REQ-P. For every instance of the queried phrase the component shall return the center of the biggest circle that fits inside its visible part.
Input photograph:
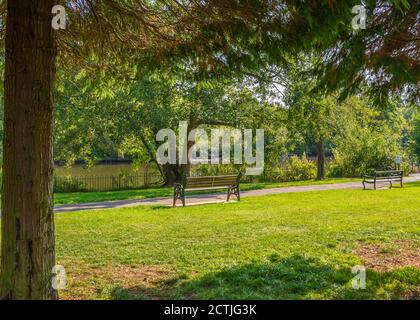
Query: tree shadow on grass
(296, 277)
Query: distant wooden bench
(378, 176)
(229, 182)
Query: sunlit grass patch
(287, 246)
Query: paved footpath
(214, 198)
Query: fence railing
(106, 183)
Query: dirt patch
(385, 257)
(95, 283)
(412, 294)
(146, 274)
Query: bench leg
(179, 194)
(364, 186)
(181, 197)
(235, 191)
(176, 197)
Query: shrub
(67, 184)
(215, 170)
(294, 169)
(300, 169)
(367, 150)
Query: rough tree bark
(27, 224)
(172, 173)
(175, 172)
(320, 160)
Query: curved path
(214, 198)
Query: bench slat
(212, 177)
(214, 184)
(209, 181)
(207, 188)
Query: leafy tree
(416, 137)
(126, 120)
(366, 139)
(309, 114)
(100, 31)
(382, 58)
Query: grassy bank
(297, 245)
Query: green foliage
(300, 169)
(416, 137)
(365, 150)
(67, 184)
(379, 59)
(85, 123)
(294, 169)
(92, 125)
(309, 114)
(216, 169)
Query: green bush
(300, 169)
(415, 138)
(67, 184)
(214, 169)
(295, 169)
(367, 150)
(334, 169)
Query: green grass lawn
(287, 246)
(84, 197)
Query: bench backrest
(389, 173)
(210, 181)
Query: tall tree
(100, 34)
(27, 248)
(310, 117)
(120, 29)
(416, 138)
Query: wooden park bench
(378, 176)
(229, 182)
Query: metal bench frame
(229, 182)
(389, 176)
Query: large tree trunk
(320, 160)
(174, 172)
(27, 246)
(170, 174)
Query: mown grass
(84, 197)
(286, 246)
